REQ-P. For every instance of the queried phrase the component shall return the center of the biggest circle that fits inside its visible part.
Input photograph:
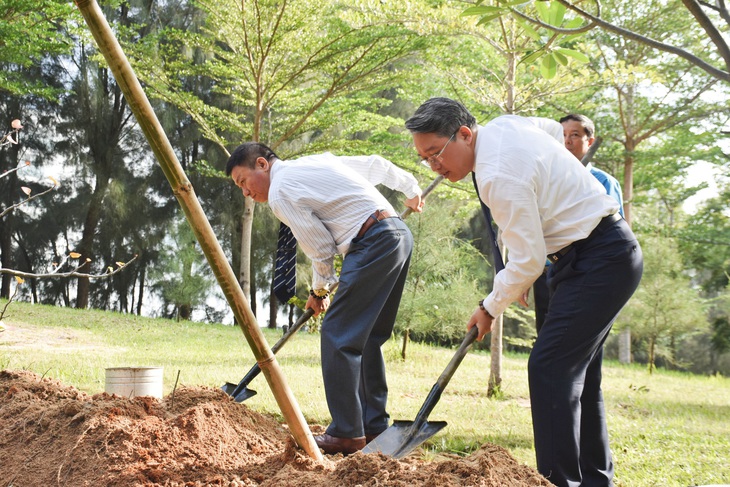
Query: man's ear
(262, 163)
(466, 133)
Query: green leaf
(574, 23)
(548, 67)
(560, 58)
(515, 3)
(557, 13)
(482, 10)
(543, 11)
(577, 55)
(488, 18)
(534, 56)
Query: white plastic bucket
(134, 381)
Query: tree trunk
(140, 295)
(244, 272)
(10, 190)
(651, 355)
(406, 338)
(86, 247)
(624, 346)
(624, 342)
(273, 305)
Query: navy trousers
(588, 287)
(541, 297)
(357, 324)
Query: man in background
(579, 135)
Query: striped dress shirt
(325, 199)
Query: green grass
(666, 429)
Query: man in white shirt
(546, 205)
(332, 207)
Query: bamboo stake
(183, 191)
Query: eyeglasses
(431, 161)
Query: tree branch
(30, 198)
(73, 273)
(700, 63)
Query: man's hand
(415, 203)
(482, 321)
(318, 305)
(524, 299)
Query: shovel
(240, 392)
(402, 437)
(405, 436)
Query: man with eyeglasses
(332, 206)
(546, 205)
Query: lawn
(666, 429)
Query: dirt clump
(53, 434)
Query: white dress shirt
(540, 196)
(325, 199)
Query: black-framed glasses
(430, 161)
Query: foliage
(442, 278)
(704, 241)
(270, 83)
(181, 278)
(708, 21)
(30, 30)
(548, 50)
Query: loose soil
(53, 434)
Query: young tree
(265, 81)
(181, 278)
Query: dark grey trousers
(359, 321)
(588, 288)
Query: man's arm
(378, 170)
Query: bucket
(134, 381)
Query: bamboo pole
(183, 191)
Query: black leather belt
(379, 215)
(606, 220)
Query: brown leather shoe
(332, 444)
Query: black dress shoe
(332, 444)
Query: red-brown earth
(52, 434)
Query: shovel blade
(244, 394)
(230, 389)
(403, 437)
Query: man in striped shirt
(332, 206)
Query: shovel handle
(425, 193)
(445, 377)
(256, 369)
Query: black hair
(442, 116)
(584, 121)
(246, 155)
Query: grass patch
(666, 429)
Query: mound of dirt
(53, 434)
